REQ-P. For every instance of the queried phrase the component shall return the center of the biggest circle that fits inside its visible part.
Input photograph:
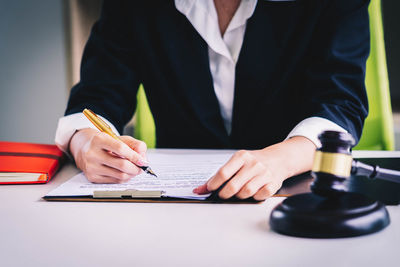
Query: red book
(26, 163)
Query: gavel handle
(374, 172)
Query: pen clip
(96, 120)
(103, 122)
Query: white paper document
(178, 171)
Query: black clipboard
(384, 191)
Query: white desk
(34, 232)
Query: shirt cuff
(311, 127)
(68, 125)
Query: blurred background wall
(39, 58)
(33, 84)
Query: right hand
(106, 160)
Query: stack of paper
(178, 174)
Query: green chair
(144, 128)
(378, 131)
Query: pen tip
(150, 171)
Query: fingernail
(142, 162)
(202, 189)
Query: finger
(267, 191)
(98, 156)
(201, 190)
(139, 146)
(252, 186)
(233, 165)
(108, 143)
(114, 173)
(93, 169)
(120, 164)
(245, 174)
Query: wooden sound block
(345, 215)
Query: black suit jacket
(298, 59)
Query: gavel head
(332, 163)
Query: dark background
(391, 24)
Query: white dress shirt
(223, 52)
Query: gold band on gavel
(333, 163)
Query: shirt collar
(203, 16)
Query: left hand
(260, 173)
(249, 177)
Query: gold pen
(103, 127)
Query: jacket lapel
(197, 83)
(262, 65)
(254, 70)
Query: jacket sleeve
(109, 76)
(335, 74)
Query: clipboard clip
(129, 193)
